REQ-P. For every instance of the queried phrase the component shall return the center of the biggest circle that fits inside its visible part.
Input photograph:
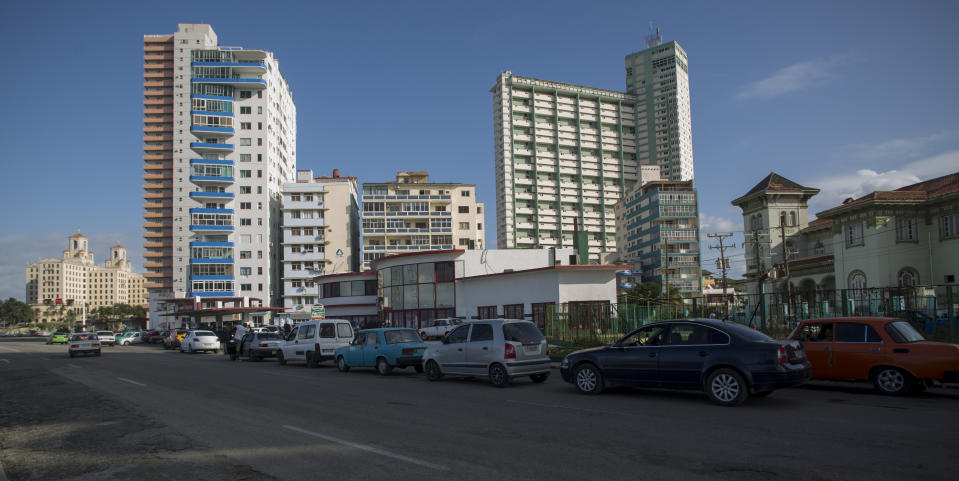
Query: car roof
(497, 320)
(385, 329)
(864, 320)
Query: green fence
(931, 309)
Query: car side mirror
(445, 340)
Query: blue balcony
(212, 261)
(211, 278)
(211, 228)
(204, 210)
(211, 244)
(212, 195)
(251, 67)
(208, 146)
(211, 97)
(247, 83)
(210, 178)
(211, 294)
(205, 130)
(211, 161)
(209, 112)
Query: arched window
(857, 283)
(782, 218)
(792, 218)
(819, 249)
(908, 277)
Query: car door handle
(900, 351)
(486, 349)
(875, 349)
(459, 349)
(703, 353)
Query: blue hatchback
(384, 349)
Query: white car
(84, 343)
(439, 327)
(196, 341)
(129, 337)
(325, 336)
(107, 338)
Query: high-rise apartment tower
(219, 142)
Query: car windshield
(902, 331)
(524, 332)
(204, 334)
(84, 336)
(405, 335)
(745, 333)
(104, 333)
(267, 335)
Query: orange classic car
(887, 351)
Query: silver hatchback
(501, 349)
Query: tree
(13, 311)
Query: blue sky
(849, 97)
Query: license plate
(531, 349)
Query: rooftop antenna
(654, 38)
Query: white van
(315, 341)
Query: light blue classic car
(383, 348)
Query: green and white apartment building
(566, 154)
(219, 143)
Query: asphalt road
(144, 413)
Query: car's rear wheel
(433, 372)
(311, 360)
(423, 335)
(498, 375)
(280, 358)
(588, 379)
(98, 352)
(250, 356)
(541, 377)
(72, 354)
(216, 351)
(383, 367)
(341, 364)
(726, 387)
(892, 381)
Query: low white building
(415, 288)
(350, 296)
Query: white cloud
(796, 77)
(838, 187)
(20, 250)
(898, 148)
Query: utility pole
(760, 274)
(666, 266)
(722, 263)
(789, 285)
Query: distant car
(173, 338)
(257, 345)
(154, 337)
(196, 341)
(384, 349)
(728, 361)
(500, 349)
(107, 338)
(84, 343)
(129, 337)
(439, 327)
(890, 352)
(58, 338)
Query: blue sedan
(384, 349)
(726, 360)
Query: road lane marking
(381, 452)
(74, 366)
(9, 349)
(131, 381)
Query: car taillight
(547, 349)
(781, 357)
(74, 345)
(96, 345)
(316, 347)
(263, 345)
(409, 351)
(509, 352)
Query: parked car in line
(439, 327)
(890, 352)
(107, 338)
(196, 341)
(129, 337)
(84, 343)
(58, 338)
(384, 349)
(154, 337)
(728, 361)
(173, 338)
(257, 345)
(315, 341)
(499, 349)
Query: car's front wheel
(342, 365)
(892, 381)
(498, 375)
(280, 358)
(383, 367)
(726, 387)
(433, 372)
(588, 379)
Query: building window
(244, 141)
(513, 311)
(949, 226)
(464, 225)
(908, 277)
(465, 193)
(463, 209)
(246, 94)
(245, 110)
(792, 218)
(857, 283)
(245, 205)
(905, 230)
(479, 226)
(854, 234)
(246, 173)
(486, 312)
(245, 157)
(245, 271)
(245, 125)
(246, 222)
(819, 249)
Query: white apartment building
(413, 214)
(219, 142)
(74, 279)
(564, 155)
(320, 236)
(658, 77)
